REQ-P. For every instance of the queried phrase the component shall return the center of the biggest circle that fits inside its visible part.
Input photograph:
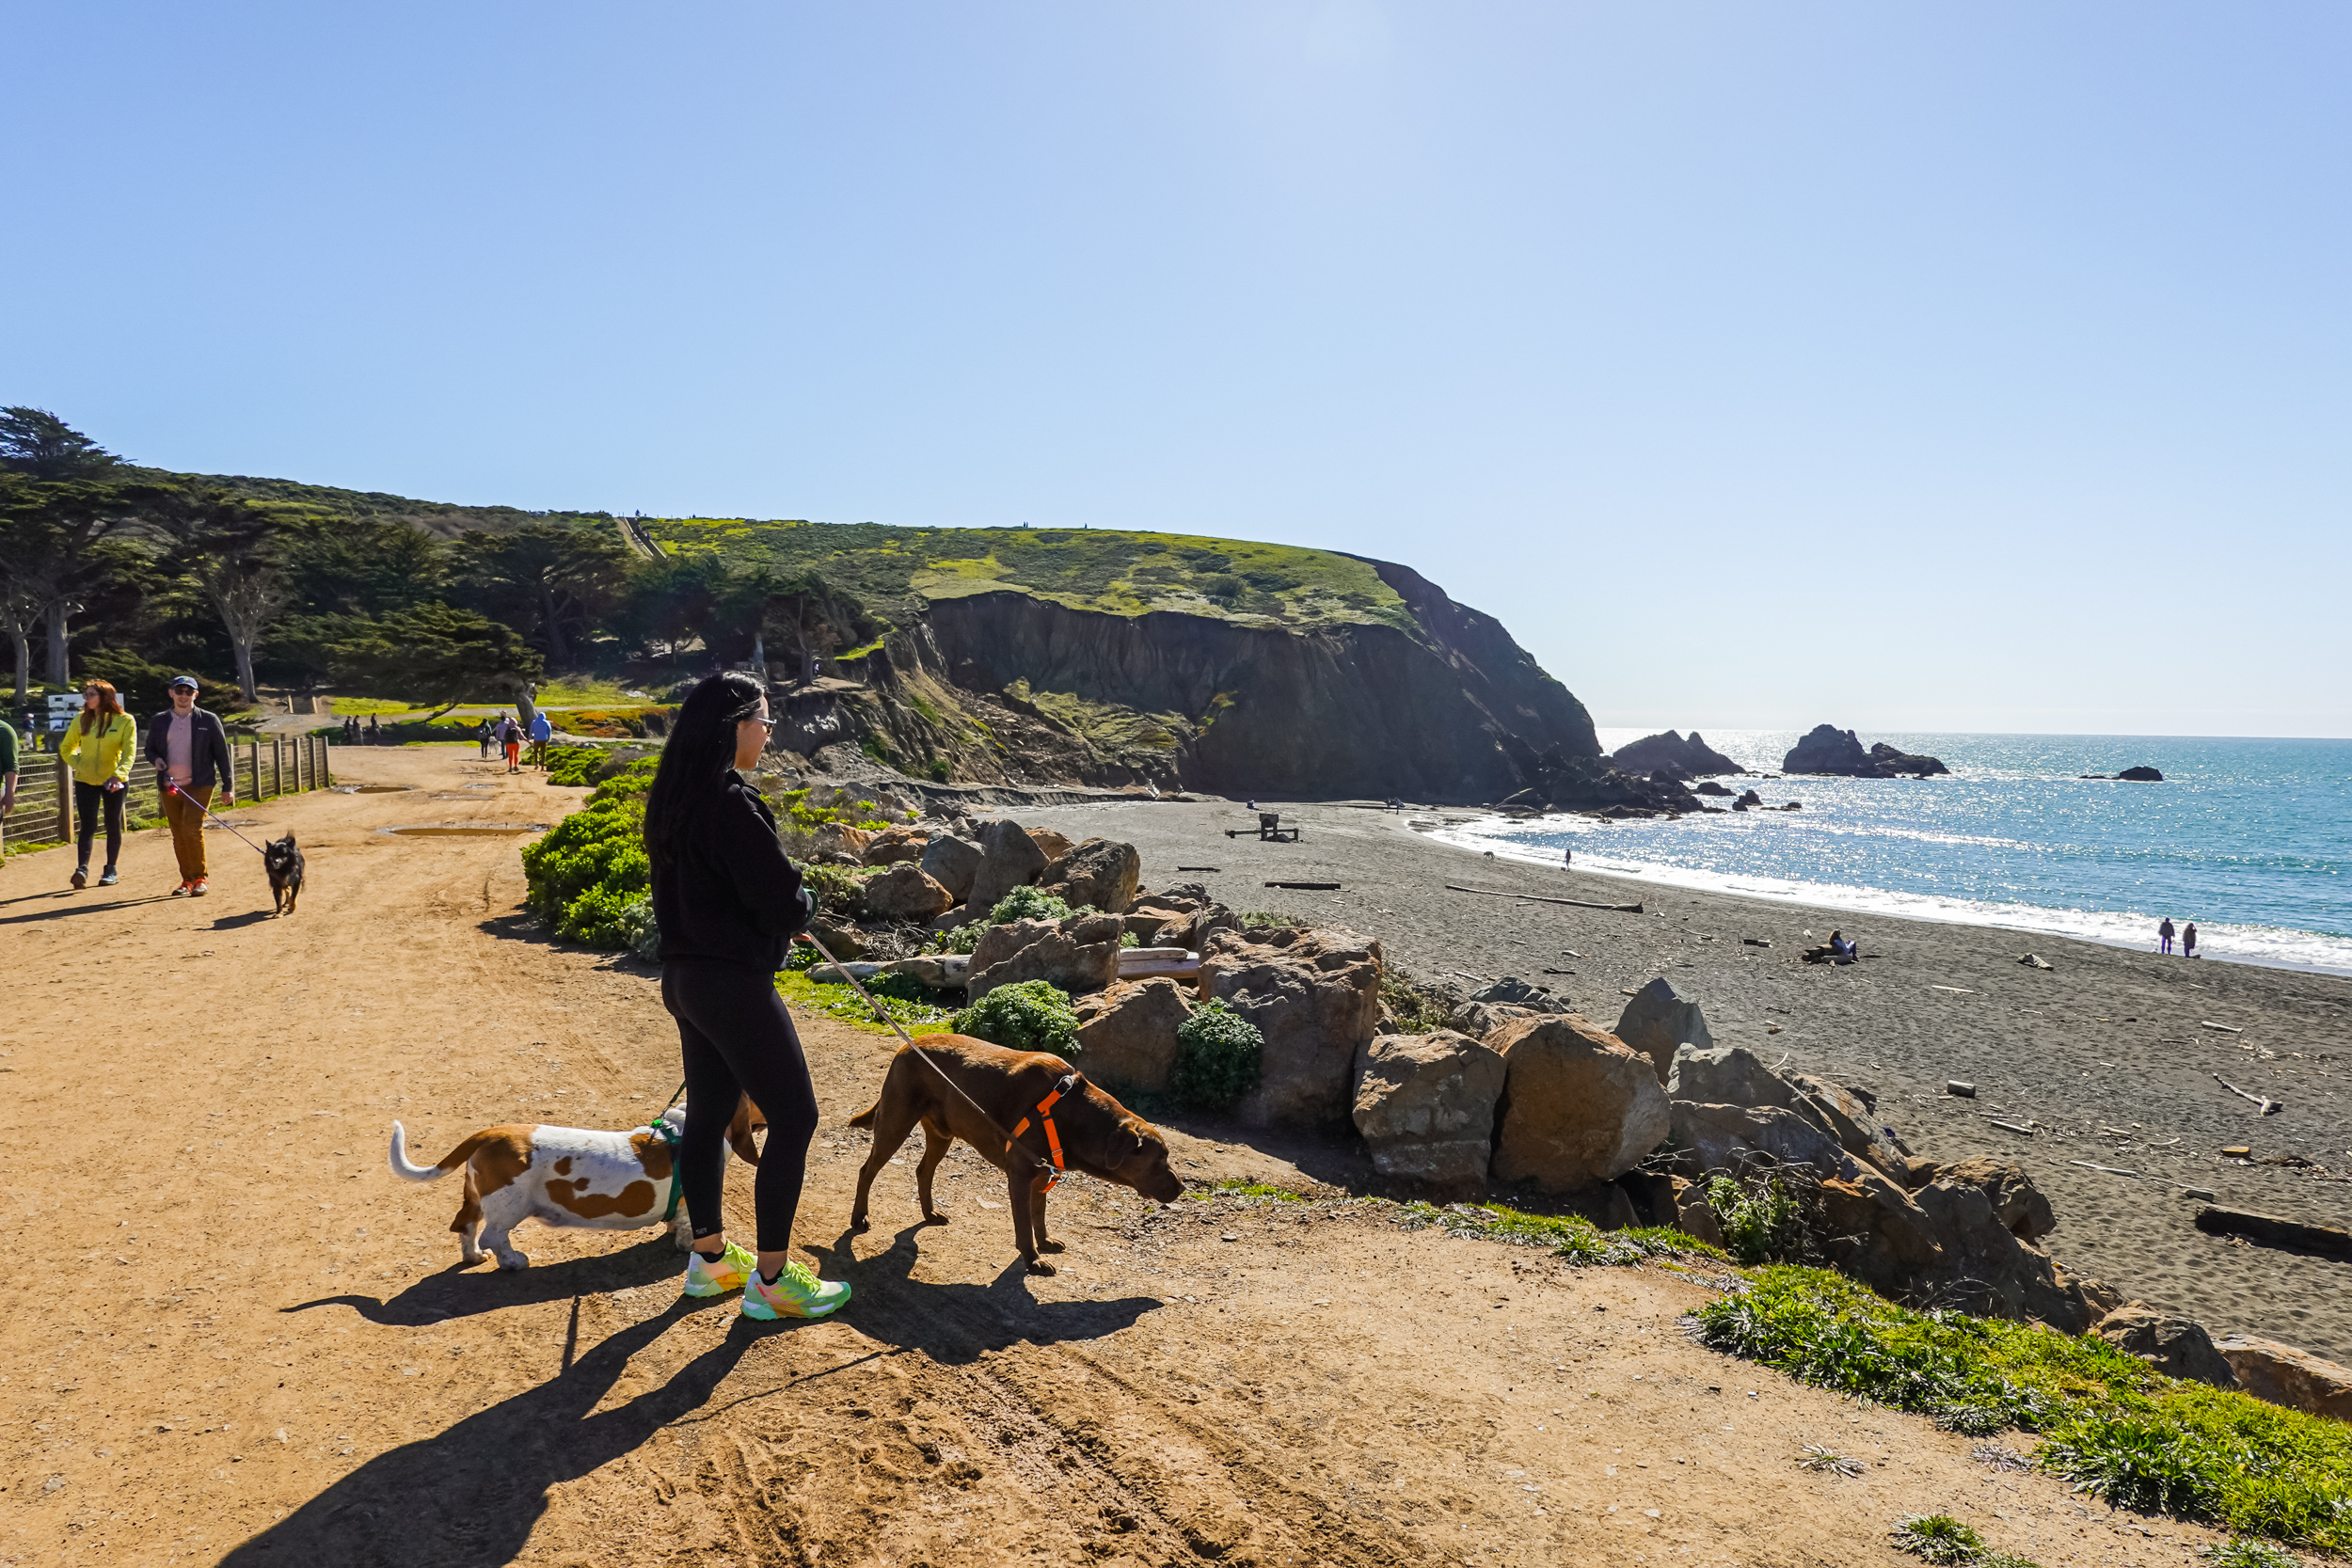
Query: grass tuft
(1578, 1240)
(2242, 1553)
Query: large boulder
(1987, 1271)
(2174, 1345)
(1315, 995)
(1826, 749)
(1852, 1117)
(1669, 752)
(1512, 991)
(1425, 1105)
(903, 893)
(1078, 953)
(1479, 1019)
(1578, 1106)
(839, 838)
(1892, 763)
(893, 845)
(2017, 1203)
(1050, 843)
(1727, 1075)
(1009, 859)
(1875, 1233)
(1657, 1023)
(952, 863)
(1730, 1138)
(2285, 1375)
(1098, 873)
(1127, 1035)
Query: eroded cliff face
(999, 686)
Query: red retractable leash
(170, 788)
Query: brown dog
(1099, 1136)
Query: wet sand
(2104, 1054)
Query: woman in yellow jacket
(99, 745)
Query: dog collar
(667, 1130)
(1053, 1134)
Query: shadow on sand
(469, 1496)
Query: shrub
(1939, 1538)
(1032, 1015)
(936, 770)
(587, 876)
(1417, 1009)
(575, 766)
(837, 889)
(1219, 1054)
(1262, 920)
(2147, 1465)
(607, 918)
(1028, 903)
(2241, 1553)
(1765, 1225)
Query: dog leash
(171, 787)
(810, 937)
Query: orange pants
(513, 754)
(183, 808)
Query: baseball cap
(179, 681)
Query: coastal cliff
(1110, 660)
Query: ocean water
(2250, 839)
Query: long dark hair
(109, 706)
(697, 757)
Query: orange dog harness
(1053, 1134)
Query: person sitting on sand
(2188, 940)
(2164, 936)
(1842, 950)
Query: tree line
(131, 574)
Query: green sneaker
(716, 1277)
(796, 1293)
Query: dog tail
(450, 1161)
(866, 1118)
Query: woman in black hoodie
(728, 903)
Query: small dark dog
(285, 872)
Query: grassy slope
(439, 518)
(1113, 571)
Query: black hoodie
(730, 895)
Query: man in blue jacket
(190, 750)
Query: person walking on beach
(99, 745)
(2188, 940)
(541, 733)
(1568, 858)
(728, 903)
(2164, 936)
(190, 751)
(8, 782)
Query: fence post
(276, 764)
(65, 801)
(327, 756)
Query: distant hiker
(376, 732)
(2164, 936)
(100, 745)
(541, 733)
(486, 735)
(7, 779)
(511, 737)
(1567, 857)
(728, 904)
(190, 751)
(2188, 940)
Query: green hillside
(1113, 571)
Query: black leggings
(89, 800)
(737, 1038)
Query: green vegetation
(2114, 1427)
(841, 1000)
(1032, 1015)
(1761, 1223)
(2238, 1552)
(1569, 1236)
(578, 767)
(588, 875)
(1219, 1055)
(1233, 1187)
(1263, 920)
(1941, 1539)
(1417, 1008)
(1028, 903)
(1113, 571)
(837, 889)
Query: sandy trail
(231, 1335)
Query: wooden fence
(265, 769)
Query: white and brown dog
(569, 1177)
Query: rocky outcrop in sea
(1826, 749)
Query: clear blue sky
(1909, 367)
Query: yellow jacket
(104, 753)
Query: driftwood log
(1539, 899)
(2323, 1239)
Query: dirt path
(231, 1335)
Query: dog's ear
(747, 1119)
